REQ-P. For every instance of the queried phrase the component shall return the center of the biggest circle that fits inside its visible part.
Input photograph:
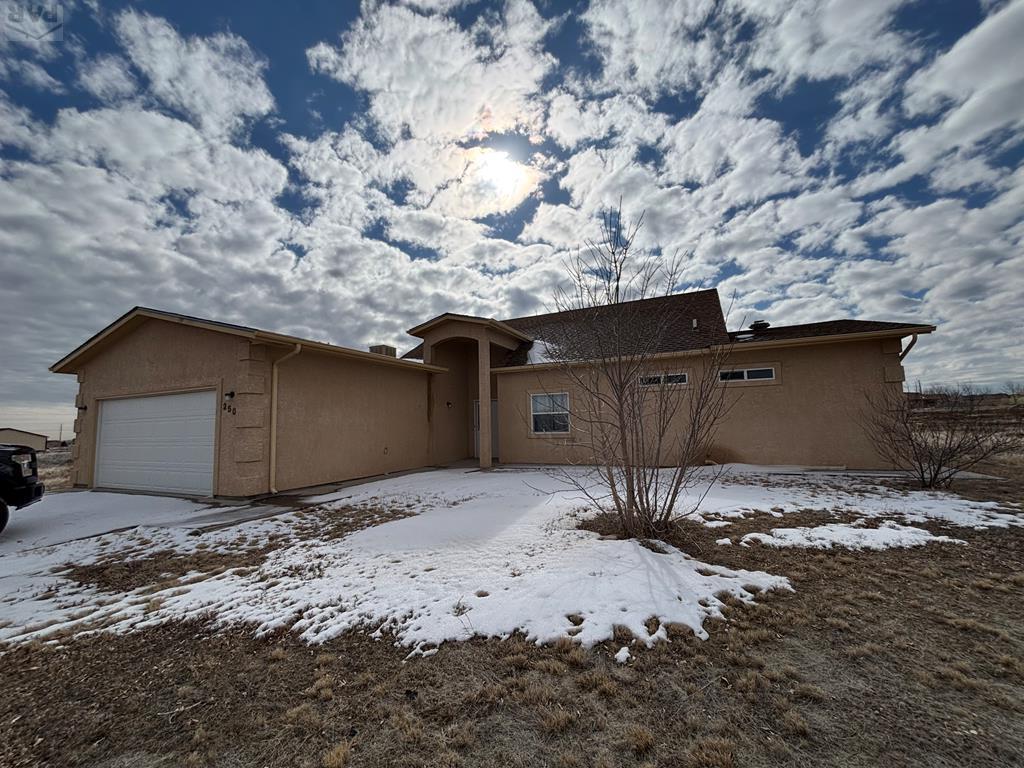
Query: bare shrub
(939, 433)
(644, 430)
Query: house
(178, 404)
(12, 436)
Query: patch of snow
(623, 655)
(62, 517)
(488, 555)
(723, 542)
(742, 491)
(886, 536)
(540, 352)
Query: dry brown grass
(338, 756)
(556, 720)
(711, 753)
(461, 736)
(638, 738)
(55, 469)
(863, 650)
(793, 722)
(303, 717)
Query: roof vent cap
(760, 325)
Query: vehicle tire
(5, 515)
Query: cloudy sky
(344, 172)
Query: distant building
(12, 436)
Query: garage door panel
(161, 443)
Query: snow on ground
(484, 554)
(781, 490)
(885, 536)
(61, 517)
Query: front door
(476, 429)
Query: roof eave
(775, 343)
(803, 341)
(67, 364)
(489, 322)
(355, 354)
(25, 432)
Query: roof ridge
(632, 302)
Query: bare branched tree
(941, 432)
(642, 428)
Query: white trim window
(664, 380)
(549, 413)
(766, 373)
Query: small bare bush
(935, 435)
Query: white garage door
(162, 443)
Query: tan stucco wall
(340, 419)
(17, 437)
(808, 416)
(162, 358)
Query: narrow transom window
(550, 413)
(657, 380)
(747, 374)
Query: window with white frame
(663, 379)
(549, 413)
(747, 374)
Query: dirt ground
(900, 657)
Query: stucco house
(13, 436)
(178, 404)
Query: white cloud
(429, 77)
(652, 46)
(31, 73)
(217, 81)
(975, 93)
(820, 39)
(107, 77)
(623, 117)
(988, 58)
(16, 124)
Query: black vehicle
(19, 480)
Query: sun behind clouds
(491, 182)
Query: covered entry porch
(462, 414)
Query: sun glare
(505, 175)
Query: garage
(162, 443)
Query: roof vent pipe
(760, 325)
(695, 323)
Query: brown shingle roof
(826, 328)
(678, 335)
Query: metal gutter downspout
(910, 346)
(273, 415)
